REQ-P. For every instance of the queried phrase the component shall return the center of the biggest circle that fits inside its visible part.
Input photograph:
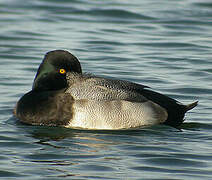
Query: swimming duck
(62, 95)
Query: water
(163, 44)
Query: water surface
(165, 45)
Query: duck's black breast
(52, 108)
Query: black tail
(191, 106)
(176, 111)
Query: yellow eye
(62, 71)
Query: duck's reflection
(59, 137)
(64, 138)
(85, 140)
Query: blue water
(164, 44)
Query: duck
(62, 95)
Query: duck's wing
(97, 88)
(116, 99)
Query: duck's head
(51, 74)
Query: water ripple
(165, 45)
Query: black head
(51, 74)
